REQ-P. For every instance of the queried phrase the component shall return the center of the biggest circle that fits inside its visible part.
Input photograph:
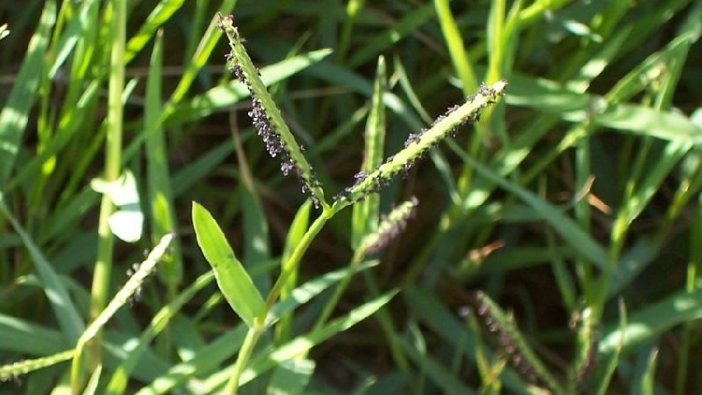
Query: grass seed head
(390, 227)
(266, 116)
(418, 144)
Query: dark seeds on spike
(359, 177)
(411, 138)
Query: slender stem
(291, 265)
(338, 291)
(113, 158)
(242, 359)
(258, 327)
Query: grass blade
(15, 114)
(233, 280)
(66, 313)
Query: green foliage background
(573, 205)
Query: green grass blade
(66, 312)
(291, 377)
(28, 338)
(224, 347)
(15, 114)
(256, 246)
(438, 373)
(303, 344)
(417, 17)
(366, 214)
(221, 98)
(459, 57)
(200, 57)
(295, 233)
(92, 385)
(159, 15)
(118, 381)
(566, 227)
(184, 179)
(204, 360)
(122, 297)
(233, 280)
(652, 320)
(161, 204)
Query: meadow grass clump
(540, 236)
(279, 140)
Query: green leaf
(295, 234)
(652, 320)
(233, 281)
(66, 312)
(291, 377)
(15, 115)
(565, 226)
(366, 213)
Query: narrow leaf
(233, 281)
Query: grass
(550, 243)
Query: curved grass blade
(651, 321)
(301, 345)
(161, 13)
(295, 234)
(163, 218)
(67, 315)
(210, 356)
(566, 227)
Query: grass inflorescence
(266, 116)
(417, 145)
(567, 200)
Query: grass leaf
(233, 280)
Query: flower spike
(266, 116)
(418, 144)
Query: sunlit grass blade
(15, 113)
(233, 280)
(291, 377)
(160, 14)
(202, 54)
(652, 320)
(226, 345)
(221, 98)
(459, 57)
(100, 287)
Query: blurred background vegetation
(575, 204)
